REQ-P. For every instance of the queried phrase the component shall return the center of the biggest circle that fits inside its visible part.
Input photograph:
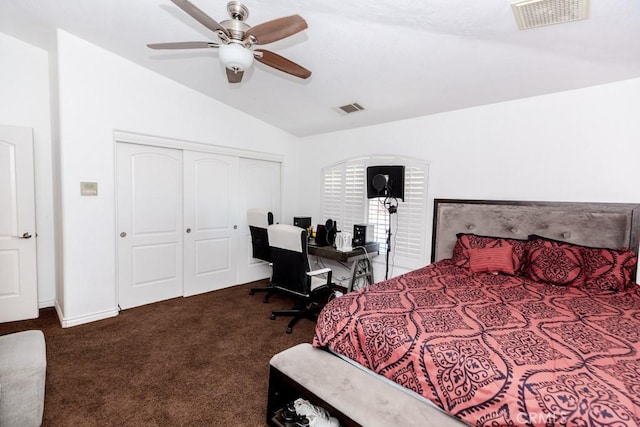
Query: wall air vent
(351, 108)
(538, 13)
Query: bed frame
(608, 225)
(612, 225)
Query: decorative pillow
(605, 270)
(536, 241)
(556, 265)
(608, 269)
(492, 260)
(465, 242)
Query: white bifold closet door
(182, 221)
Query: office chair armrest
(321, 271)
(317, 272)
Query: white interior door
(210, 222)
(18, 278)
(149, 196)
(260, 188)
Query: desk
(330, 252)
(361, 268)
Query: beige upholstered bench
(347, 392)
(23, 364)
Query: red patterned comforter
(496, 349)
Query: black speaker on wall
(385, 181)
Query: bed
(529, 314)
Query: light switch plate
(88, 188)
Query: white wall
(100, 92)
(580, 145)
(24, 90)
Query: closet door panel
(210, 214)
(182, 221)
(260, 187)
(149, 197)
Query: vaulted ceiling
(397, 58)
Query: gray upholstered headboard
(610, 225)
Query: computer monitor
(302, 221)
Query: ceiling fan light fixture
(235, 57)
(236, 39)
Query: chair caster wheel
(273, 317)
(289, 330)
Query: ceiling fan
(237, 39)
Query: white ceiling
(397, 58)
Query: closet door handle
(188, 230)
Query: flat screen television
(385, 181)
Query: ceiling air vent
(538, 13)
(351, 108)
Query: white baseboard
(46, 304)
(87, 318)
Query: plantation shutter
(344, 194)
(332, 184)
(344, 200)
(411, 219)
(354, 196)
(379, 217)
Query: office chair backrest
(289, 255)
(259, 220)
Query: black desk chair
(291, 272)
(259, 220)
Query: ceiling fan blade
(281, 63)
(271, 31)
(234, 76)
(197, 14)
(183, 45)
